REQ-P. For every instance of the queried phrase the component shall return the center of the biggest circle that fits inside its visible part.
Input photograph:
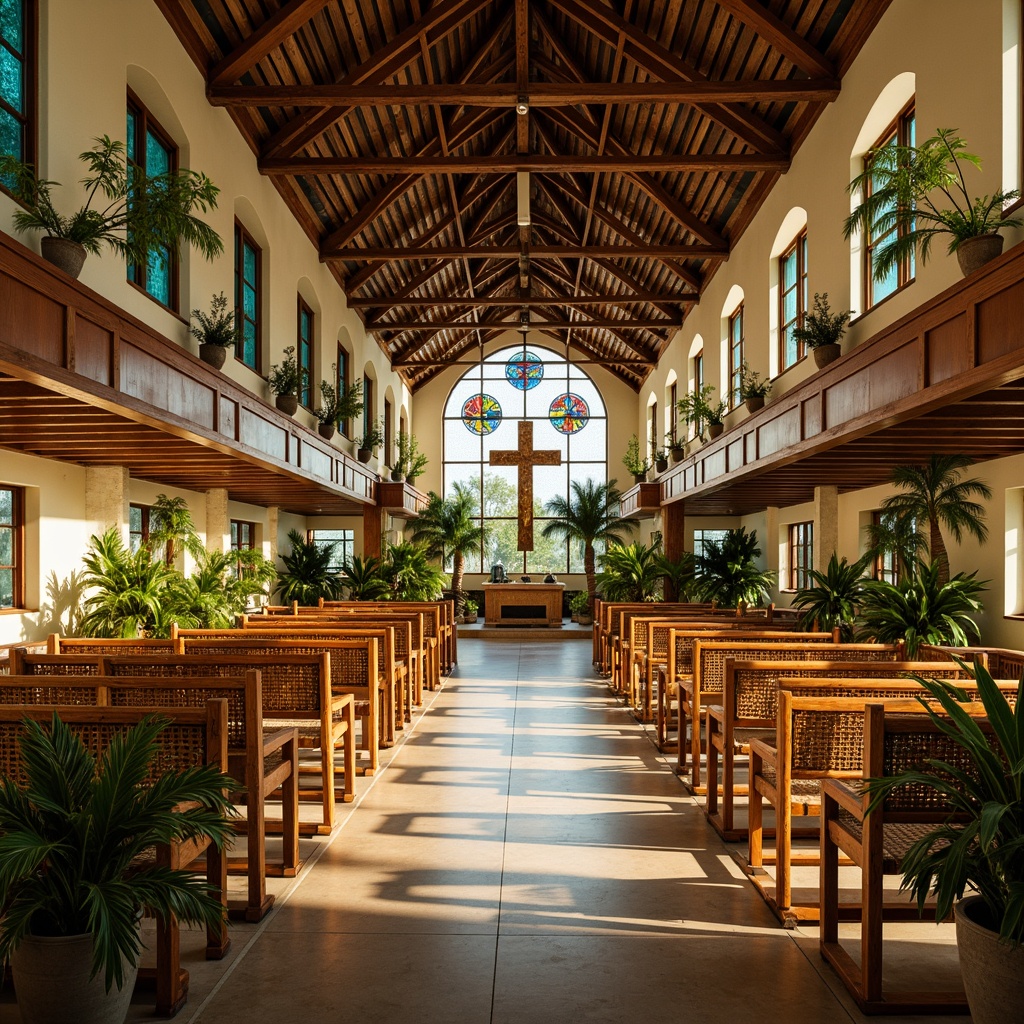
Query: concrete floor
(525, 856)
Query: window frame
(800, 544)
(304, 355)
(886, 564)
(342, 545)
(28, 60)
(736, 347)
(146, 123)
(798, 247)
(698, 384)
(235, 542)
(389, 435)
(243, 238)
(906, 270)
(367, 403)
(673, 412)
(653, 428)
(341, 384)
(17, 566)
(142, 534)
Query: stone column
(826, 525)
(218, 525)
(770, 546)
(270, 539)
(106, 498)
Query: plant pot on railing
(825, 354)
(288, 404)
(973, 253)
(363, 454)
(715, 430)
(326, 430)
(64, 254)
(639, 478)
(754, 402)
(661, 465)
(397, 475)
(213, 355)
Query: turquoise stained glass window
(247, 297)
(151, 153)
(15, 72)
(304, 351)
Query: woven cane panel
(114, 647)
(61, 665)
(911, 751)
(79, 695)
(287, 686)
(713, 658)
(797, 787)
(187, 697)
(350, 666)
(897, 838)
(828, 741)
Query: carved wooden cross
(525, 458)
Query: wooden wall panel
(779, 432)
(1000, 323)
(229, 418)
(31, 321)
(714, 465)
(94, 350)
(263, 435)
(316, 462)
(873, 386)
(948, 350)
(165, 387)
(734, 453)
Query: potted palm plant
(833, 598)
(373, 437)
(469, 610)
(143, 215)
(215, 331)
(822, 330)
(74, 880)
(754, 389)
(308, 573)
(634, 462)
(286, 380)
(914, 194)
(979, 848)
(579, 606)
(727, 571)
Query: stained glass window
(304, 351)
(247, 297)
(482, 414)
(792, 300)
(17, 35)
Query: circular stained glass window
(524, 370)
(481, 414)
(569, 413)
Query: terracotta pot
(715, 430)
(825, 354)
(973, 253)
(288, 404)
(754, 402)
(64, 254)
(363, 454)
(993, 973)
(52, 974)
(214, 355)
(326, 430)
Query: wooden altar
(523, 604)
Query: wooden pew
(812, 742)
(262, 762)
(352, 665)
(193, 737)
(748, 705)
(876, 843)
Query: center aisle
(526, 858)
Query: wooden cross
(525, 458)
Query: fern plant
(833, 597)
(308, 574)
(727, 572)
(363, 580)
(631, 572)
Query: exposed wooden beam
(594, 360)
(274, 31)
(549, 325)
(532, 301)
(439, 164)
(541, 94)
(780, 36)
(485, 252)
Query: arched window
(482, 415)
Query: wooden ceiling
(650, 131)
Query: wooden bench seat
(193, 737)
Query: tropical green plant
(821, 326)
(579, 601)
(980, 846)
(373, 435)
(221, 587)
(680, 574)
(409, 575)
(591, 515)
(833, 597)
(752, 385)
(171, 527)
(913, 194)
(726, 571)
(217, 327)
(287, 377)
(898, 536)
(410, 459)
(470, 607)
(363, 580)
(633, 460)
(449, 529)
(676, 445)
(631, 572)
(127, 589)
(73, 840)
(144, 217)
(921, 609)
(308, 574)
(933, 496)
(697, 409)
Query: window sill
(18, 611)
(1009, 212)
(152, 298)
(882, 302)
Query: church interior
(535, 246)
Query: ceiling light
(523, 198)
(523, 106)
(524, 322)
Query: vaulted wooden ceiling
(651, 130)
